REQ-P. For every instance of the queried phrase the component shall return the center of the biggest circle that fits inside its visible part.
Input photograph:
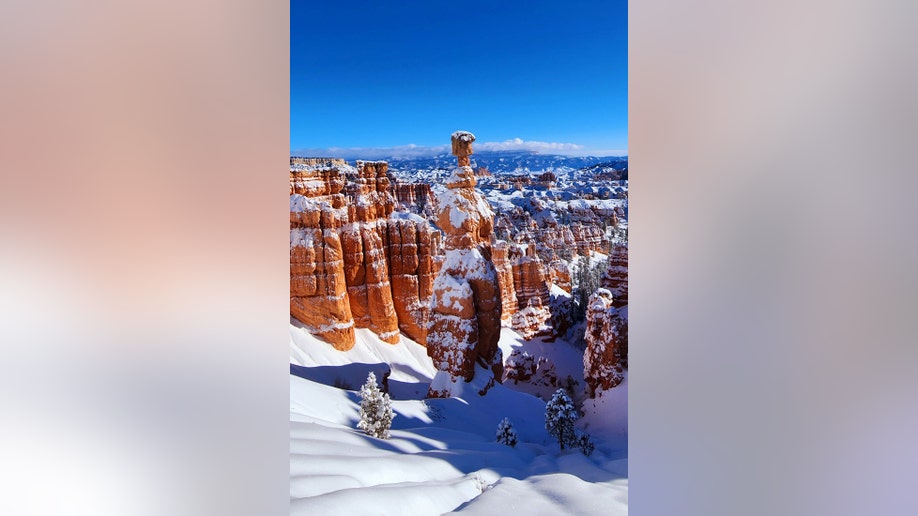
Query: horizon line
(411, 150)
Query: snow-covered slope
(411, 368)
(442, 455)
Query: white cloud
(519, 144)
(413, 151)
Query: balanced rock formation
(606, 356)
(466, 306)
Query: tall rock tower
(465, 308)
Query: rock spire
(465, 308)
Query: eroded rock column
(318, 290)
(466, 306)
(606, 356)
(364, 243)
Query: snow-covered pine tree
(506, 434)
(375, 409)
(560, 415)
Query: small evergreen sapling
(560, 415)
(585, 443)
(375, 410)
(506, 434)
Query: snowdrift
(442, 456)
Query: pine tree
(506, 434)
(375, 409)
(560, 415)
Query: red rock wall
(318, 291)
(411, 248)
(316, 182)
(413, 197)
(348, 267)
(364, 242)
(500, 256)
(367, 276)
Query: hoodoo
(606, 354)
(466, 306)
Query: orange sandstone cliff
(318, 291)
(354, 261)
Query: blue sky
(550, 76)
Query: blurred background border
(144, 280)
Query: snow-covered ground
(442, 456)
